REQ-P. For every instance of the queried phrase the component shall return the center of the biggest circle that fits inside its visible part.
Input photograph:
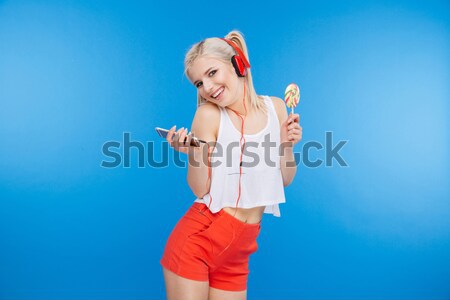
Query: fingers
(183, 133)
(295, 132)
(169, 136)
(295, 137)
(189, 138)
(179, 135)
(179, 140)
(293, 118)
(294, 126)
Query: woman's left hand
(291, 131)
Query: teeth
(217, 93)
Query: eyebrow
(207, 71)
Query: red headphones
(240, 63)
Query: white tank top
(261, 181)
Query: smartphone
(163, 133)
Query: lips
(217, 92)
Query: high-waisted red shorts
(211, 247)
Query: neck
(239, 106)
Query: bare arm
(204, 126)
(290, 134)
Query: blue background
(74, 75)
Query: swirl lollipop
(292, 96)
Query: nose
(208, 86)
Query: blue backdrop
(75, 75)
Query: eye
(212, 73)
(199, 84)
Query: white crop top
(261, 181)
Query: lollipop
(292, 96)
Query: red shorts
(211, 247)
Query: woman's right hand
(179, 140)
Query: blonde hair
(219, 49)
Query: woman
(237, 175)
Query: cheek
(224, 76)
(201, 93)
(204, 95)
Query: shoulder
(280, 108)
(278, 103)
(207, 112)
(206, 121)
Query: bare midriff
(247, 215)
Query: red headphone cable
(209, 175)
(242, 147)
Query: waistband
(246, 228)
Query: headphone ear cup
(239, 66)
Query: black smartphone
(163, 133)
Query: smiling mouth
(218, 92)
